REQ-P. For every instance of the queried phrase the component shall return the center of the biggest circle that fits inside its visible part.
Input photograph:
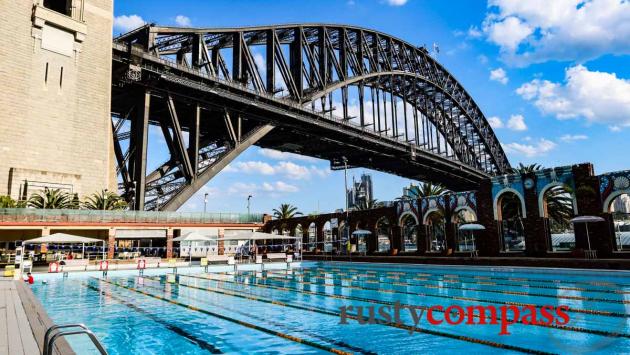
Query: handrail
(49, 341)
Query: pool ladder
(49, 339)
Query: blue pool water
(298, 311)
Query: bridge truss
(341, 93)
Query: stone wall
(55, 77)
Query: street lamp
(248, 203)
(345, 192)
(205, 202)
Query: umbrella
(471, 227)
(63, 238)
(192, 237)
(587, 220)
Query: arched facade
(383, 229)
(409, 232)
(495, 203)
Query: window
(46, 75)
(61, 6)
(61, 78)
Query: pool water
(299, 311)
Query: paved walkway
(16, 336)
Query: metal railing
(26, 215)
(49, 340)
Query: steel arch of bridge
(385, 87)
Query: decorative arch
(495, 203)
(608, 201)
(428, 213)
(405, 215)
(467, 209)
(541, 198)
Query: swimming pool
(300, 310)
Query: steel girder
(412, 98)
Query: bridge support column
(139, 140)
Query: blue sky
(553, 77)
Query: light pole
(248, 203)
(345, 192)
(205, 202)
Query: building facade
(55, 117)
(361, 193)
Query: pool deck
(609, 264)
(23, 321)
(16, 336)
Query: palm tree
(558, 199)
(367, 205)
(524, 169)
(286, 211)
(424, 189)
(104, 200)
(7, 202)
(51, 199)
(559, 205)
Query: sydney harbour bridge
(353, 96)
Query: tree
(51, 199)
(367, 205)
(559, 205)
(286, 211)
(104, 200)
(424, 189)
(558, 199)
(524, 169)
(7, 202)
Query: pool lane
(229, 319)
(297, 311)
(337, 315)
(391, 303)
(287, 291)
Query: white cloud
(288, 169)
(517, 123)
(266, 188)
(396, 2)
(542, 147)
(508, 33)
(573, 137)
(495, 122)
(284, 187)
(474, 32)
(536, 31)
(183, 21)
(597, 96)
(126, 23)
(614, 128)
(253, 167)
(278, 155)
(482, 59)
(499, 75)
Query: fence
(30, 215)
